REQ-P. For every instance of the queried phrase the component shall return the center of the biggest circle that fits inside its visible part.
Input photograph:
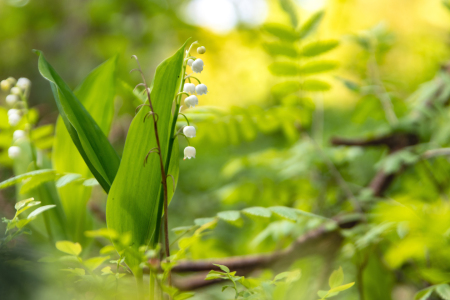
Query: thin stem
(189, 78)
(187, 120)
(380, 90)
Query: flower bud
(197, 66)
(201, 50)
(189, 88)
(14, 152)
(16, 91)
(12, 99)
(5, 85)
(189, 131)
(191, 101)
(12, 81)
(190, 62)
(13, 111)
(23, 83)
(189, 152)
(201, 89)
(18, 134)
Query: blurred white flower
(13, 152)
(14, 117)
(201, 50)
(23, 83)
(16, 91)
(191, 101)
(201, 89)
(189, 88)
(12, 99)
(189, 62)
(197, 65)
(5, 85)
(189, 152)
(189, 131)
(18, 134)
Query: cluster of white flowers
(18, 90)
(196, 65)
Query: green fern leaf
(311, 25)
(315, 85)
(284, 69)
(286, 88)
(281, 49)
(319, 47)
(281, 31)
(317, 67)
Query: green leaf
(258, 211)
(319, 47)
(315, 85)
(311, 24)
(86, 134)
(282, 49)
(69, 247)
(286, 88)
(281, 31)
(22, 203)
(66, 179)
(336, 278)
(284, 212)
(96, 93)
(341, 288)
(443, 291)
(284, 69)
(90, 182)
(317, 67)
(134, 197)
(36, 181)
(425, 293)
(229, 216)
(223, 268)
(40, 210)
(21, 177)
(95, 262)
(290, 8)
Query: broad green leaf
(341, 288)
(134, 196)
(317, 67)
(69, 247)
(88, 137)
(27, 206)
(95, 262)
(281, 48)
(203, 221)
(315, 85)
(39, 210)
(336, 278)
(319, 47)
(285, 212)
(22, 177)
(286, 88)
(281, 31)
(96, 93)
(22, 203)
(258, 211)
(284, 69)
(311, 24)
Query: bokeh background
(238, 165)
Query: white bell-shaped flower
(23, 83)
(14, 117)
(197, 65)
(201, 50)
(201, 89)
(189, 88)
(16, 91)
(13, 152)
(191, 101)
(189, 131)
(190, 62)
(18, 134)
(12, 99)
(189, 152)
(5, 85)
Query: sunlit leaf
(281, 31)
(317, 67)
(311, 24)
(315, 85)
(69, 247)
(284, 69)
(319, 47)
